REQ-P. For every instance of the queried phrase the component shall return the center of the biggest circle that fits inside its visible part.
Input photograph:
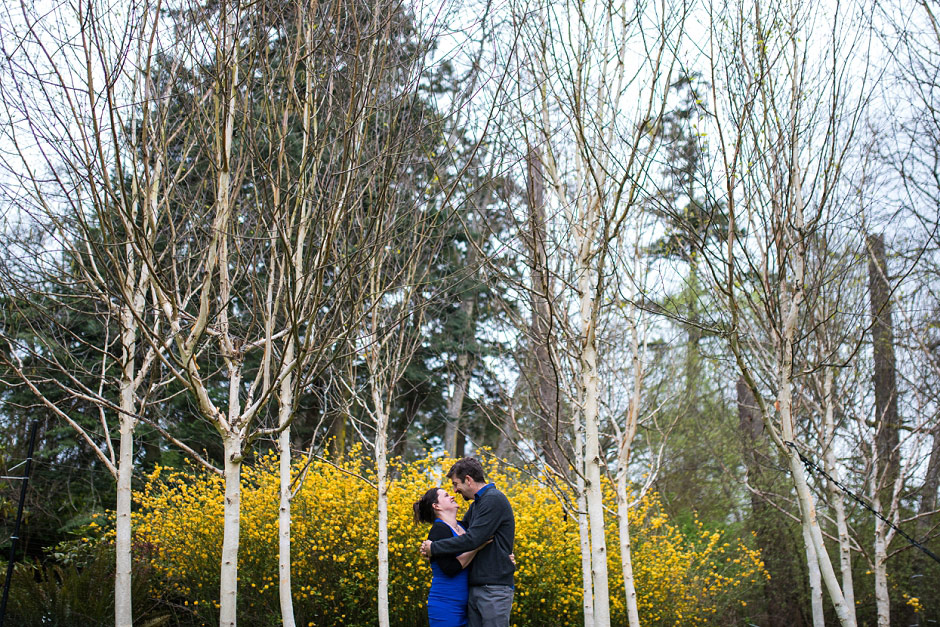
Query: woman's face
(445, 502)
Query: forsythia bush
(680, 578)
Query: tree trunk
(337, 444)
(285, 411)
(339, 415)
(886, 390)
(813, 538)
(545, 392)
(882, 597)
(590, 410)
(381, 479)
(886, 453)
(815, 580)
(228, 585)
(584, 542)
(396, 436)
(123, 600)
(814, 535)
(791, 290)
(455, 405)
(835, 494)
(627, 435)
(584, 532)
(633, 614)
(781, 591)
(123, 607)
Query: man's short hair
(468, 466)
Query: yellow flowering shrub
(679, 579)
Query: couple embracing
(472, 560)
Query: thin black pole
(16, 526)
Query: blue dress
(447, 600)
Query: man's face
(463, 488)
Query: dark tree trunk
(886, 390)
(928, 489)
(925, 570)
(338, 436)
(777, 545)
(545, 392)
(401, 421)
(338, 420)
(460, 381)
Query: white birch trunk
(232, 438)
(228, 587)
(283, 515)
(623, 460)
(123, 596)
(836, 497)
(815, 579)
(381, 479)
(633, 614)
(584, 534)
(592, 455)
(123, 601)
(845, 557)
(123, 606)
(814, 536)
(880, 567)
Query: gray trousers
(489, 606)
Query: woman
(447, 600)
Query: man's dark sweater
(489, 516)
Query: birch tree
(785, 117)
(401, 228)
(267, 286)
(88, 173)
(599, 74)
(231, 235)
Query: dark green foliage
(68, 482)
(77, 595)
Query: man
(489, 516)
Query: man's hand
(425, 549)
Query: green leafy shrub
(78, 591)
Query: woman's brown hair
(424, 507)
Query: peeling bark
(285, 410)
(228, 582)
(815, 580)
(593, 462)
(584, 529)
(835, 494)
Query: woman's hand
(512, 558)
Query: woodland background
(671, 268)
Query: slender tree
(778, 192)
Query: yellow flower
(680, 578)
